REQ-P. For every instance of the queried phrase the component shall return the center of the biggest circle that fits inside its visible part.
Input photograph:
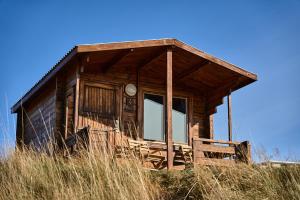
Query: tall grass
(95, 175)
(92, 175)
(236, 182)
(30, 175)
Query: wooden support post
(168, 109)
(229, 117)
(138, 104)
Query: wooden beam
(168, 121)
(115, 60)
(215, 141)
(217, 148)
(77, 87)
(224, 90)
(150, 59)
(229, 117)
(191, 70)
(124, 45)
(139, 111)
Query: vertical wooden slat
(190, 121)
(76, 99)
(229, 117)
(168, 121)
(139, 111)
(66, 118)
(100, 103)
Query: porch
(154, 154)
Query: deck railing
(203, 151)
(220, 152)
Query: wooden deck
(202, 152)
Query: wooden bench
(183, 153)
(142, 150)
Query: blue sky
(260, 36)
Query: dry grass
(29, 175)
(88, 176)
(237, 182)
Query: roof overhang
(129, 45)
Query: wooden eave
(83, 49)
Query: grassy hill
(29, 175)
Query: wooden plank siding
(117, 78)
(39, 120)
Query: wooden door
(100, 110)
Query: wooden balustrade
(219, 152)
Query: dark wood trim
(169, 99)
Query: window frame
(160, 93)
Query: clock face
(130, 89)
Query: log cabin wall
(37, 122)
(100, 91)
(65, 95)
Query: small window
(100, 101)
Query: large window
(154, 118)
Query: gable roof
(85, 48)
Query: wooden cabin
(158, 91)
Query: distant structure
(163, 92)
(277, 163)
